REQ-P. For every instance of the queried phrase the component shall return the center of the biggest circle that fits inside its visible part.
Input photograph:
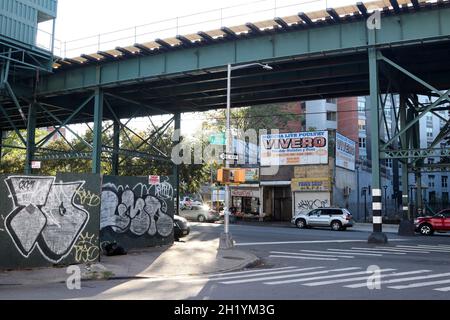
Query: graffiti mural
(44, 218)
(305, 201)
(133, 209)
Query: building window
(331, 115)
(429, 118)
(431, 181)
(430, 160)
(362, 125)
(333, 100)
(429, 132)
(388, 163)
(444, 181)
(362, 142)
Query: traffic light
(227, 175)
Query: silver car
(200, 214)
(335, 218)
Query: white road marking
(365, 251)
(421, 284)
(299, 242)
(302, 258)
(225, 277)
(376, 251)
(312, 254)
(287, 276)
(326, 277)
(353, 253)
(359, 285)
(216, 274)
(321, 283)
(443, 289)
(393, 249)
(433, 249)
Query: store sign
(294, 148)
(245, 193)
(252, 175)
(311, 184)
(345, 152)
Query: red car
(440, 222)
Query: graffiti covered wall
(305, 201)
(49, 220)
(136, 213)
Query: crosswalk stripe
(359, 285)
(325, 277)
(420, 284)
(353, 253)
(376, 251)
(431, 249)
(443, 289)
(287, 276)
(423, 250)
(321, 283)
(225, 277)
(362, 251)
(302, 258)
(216, 274)
(311, 254)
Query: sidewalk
(183, 258)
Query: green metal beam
(416, 119)
(413, 27)
(414, 153)
(22, 139)
(97, 145)
(375, 133)
(31, 138)
(116, 147)
(74, 113)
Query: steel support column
(1, 144)
(377, 235)
(97, 144)
(176, 168)
(116, 147)
(31, 137)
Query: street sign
(153, 180)
(35, 164)
(217, 139)
(225, 156)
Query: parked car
(335, 218)
(201, 214)
(439, 222)
(181, 227)
(187, 203)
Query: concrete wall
(136, 214)
(49, 220)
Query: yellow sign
(311, 184)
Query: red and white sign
(153, 180)
(245, 193)
(35, 164)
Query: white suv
(336, 218)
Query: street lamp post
(226, 241)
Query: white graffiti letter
(374, 21)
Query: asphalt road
(295, 264)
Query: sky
(79, 22)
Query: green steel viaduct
(331, 53)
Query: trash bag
(113, 249)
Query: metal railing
(253, 11)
